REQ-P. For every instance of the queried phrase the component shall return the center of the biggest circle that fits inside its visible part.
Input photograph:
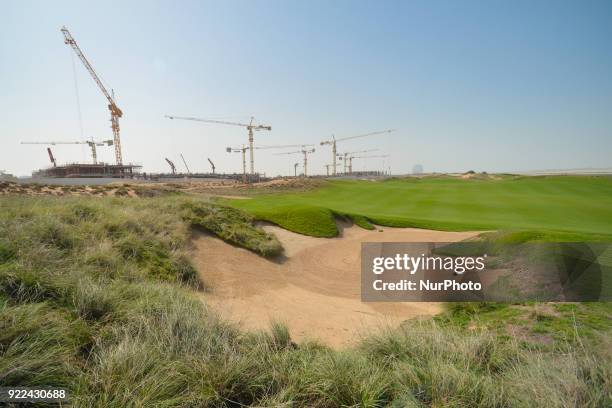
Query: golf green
(578, 206)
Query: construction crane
(305, 152)
(212, 165)
(350, 166)
(92, 144)
(333, 141)
(185, 163)
(172, 166)
(51, 157)
(115, 112)
(327, 166)
(250, 128)
(244, 148)
(345, 156)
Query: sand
(314, 289)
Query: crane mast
(115, 112)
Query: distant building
(417, 169)
(82, 170)
(7, 177)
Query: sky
(468, 85)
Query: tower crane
(212, 165)
(115, 112)
(244, 148)
(327, 166)
(345, 156)
(251, 127)
(92, 145)
(185, 163)
(305, 152)
(363, 157)
(172, 166)
(333, 141)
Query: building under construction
(95, 169)
(90, 170)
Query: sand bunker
(315, 290)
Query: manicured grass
(574, 206)
(318, 221)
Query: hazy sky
(483, 85)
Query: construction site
(93, 169)
(340, 165)
(308, 205)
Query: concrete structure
(82, 170)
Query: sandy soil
(224, 188)
(34, 189)
(315, 289)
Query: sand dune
(314, 289)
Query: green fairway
(569, 207)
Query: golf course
(564, 208)
(143, 295)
